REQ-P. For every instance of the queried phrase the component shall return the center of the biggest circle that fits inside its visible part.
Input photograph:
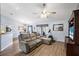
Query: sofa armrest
(24, 46)
(23, 42)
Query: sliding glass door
(42, 28)
(30, 29)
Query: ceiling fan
(45, 13)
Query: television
(71, 32)
(4, 29)
(8, 29)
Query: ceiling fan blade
(53, 12)
(34, 13)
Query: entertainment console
(72, 40)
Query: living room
(25, 28)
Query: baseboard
(60, 41)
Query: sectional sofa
(28, 42)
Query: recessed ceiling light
(11, 13)
(17, 8)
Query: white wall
(78, 6)
(58, 35)
(5, 21)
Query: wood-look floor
(56, 49)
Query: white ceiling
(24, 12)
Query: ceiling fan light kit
(45, 13)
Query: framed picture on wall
(58, 27)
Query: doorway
(42, 28)
(30, 29)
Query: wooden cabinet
(72, 41)
(69, 44)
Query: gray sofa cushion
(24, 36)
(38, 40)
(32, 44)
